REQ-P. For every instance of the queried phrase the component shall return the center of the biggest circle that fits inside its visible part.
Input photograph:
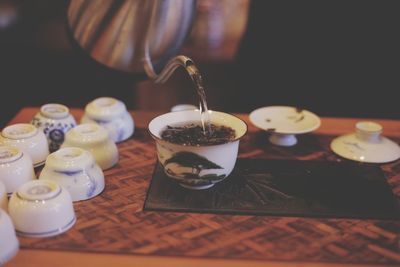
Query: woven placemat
(115, 222)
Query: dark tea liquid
(192, 134)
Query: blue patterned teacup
(54, 120)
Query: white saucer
(366, 145)
(284, 123)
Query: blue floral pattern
(53, 130)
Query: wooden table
(90, 241)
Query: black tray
(284, 188)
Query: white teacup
(29, 139)
(74, 169)
(182, 107)
(112, 114)
(9, 244)
(212, 163)
(16, 168)
(95, 139)
(54, 120)
(3, 197)
(41, 208)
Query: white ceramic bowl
(3, 197)
(15, 168)
(9, 244)
(212, 162)
(29, 139)
(112, 114)
(41, 208)
(76, 170)
(54, 120)
(95, 139)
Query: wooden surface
(113, 230)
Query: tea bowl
(95, 139)
(76, 170)
(112, 114)
(3, 197)
(54, 120)
(9, 244)
(41, 208)
(16, 168)
(197, 166)
(29, 139)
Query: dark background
(335, 58)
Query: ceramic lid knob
(368, 131)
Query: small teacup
(16, 168)
(182, 107)
(3, 197)
(95, 139)
(54, 120)
(9, 244)
(74, 169)
(41, 208)
(112, 114)
(29, 139)
(200, 166)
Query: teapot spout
(178, 61)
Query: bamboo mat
(115, 221)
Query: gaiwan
(197, 156)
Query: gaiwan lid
(366, 144)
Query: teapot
(134, 36)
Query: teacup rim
(237, 138)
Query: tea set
(72, 158)
(73, 171)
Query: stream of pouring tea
(198, 82)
